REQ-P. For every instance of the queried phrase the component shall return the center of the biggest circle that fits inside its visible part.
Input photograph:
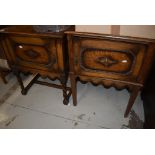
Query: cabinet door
(108, 58)
(2, 56)
(37, 53)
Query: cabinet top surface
(111, 37)
(30, 30)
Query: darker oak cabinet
(43, 54)
(3, 70)
(121, 62)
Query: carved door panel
(108, 58)
(37, 53)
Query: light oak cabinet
(121, 62)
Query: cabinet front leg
(73, 88)
(132, 99)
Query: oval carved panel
(106, 60)
(32, 54)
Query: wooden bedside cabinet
(121, 62)
(44, 54)
(4, 68)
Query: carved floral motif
(107, 61)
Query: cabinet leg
(3, 77)
(73, 88)
(24, 90)
(64, 89)
(17, 74)
(132, 99)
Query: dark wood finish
(2, 55)
(25, 89)
(121, 62)
(44, 54)
(73, 88)
(148, 97)
(3, 75)
(3, 71)
(133, 96)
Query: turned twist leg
(66, 95)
